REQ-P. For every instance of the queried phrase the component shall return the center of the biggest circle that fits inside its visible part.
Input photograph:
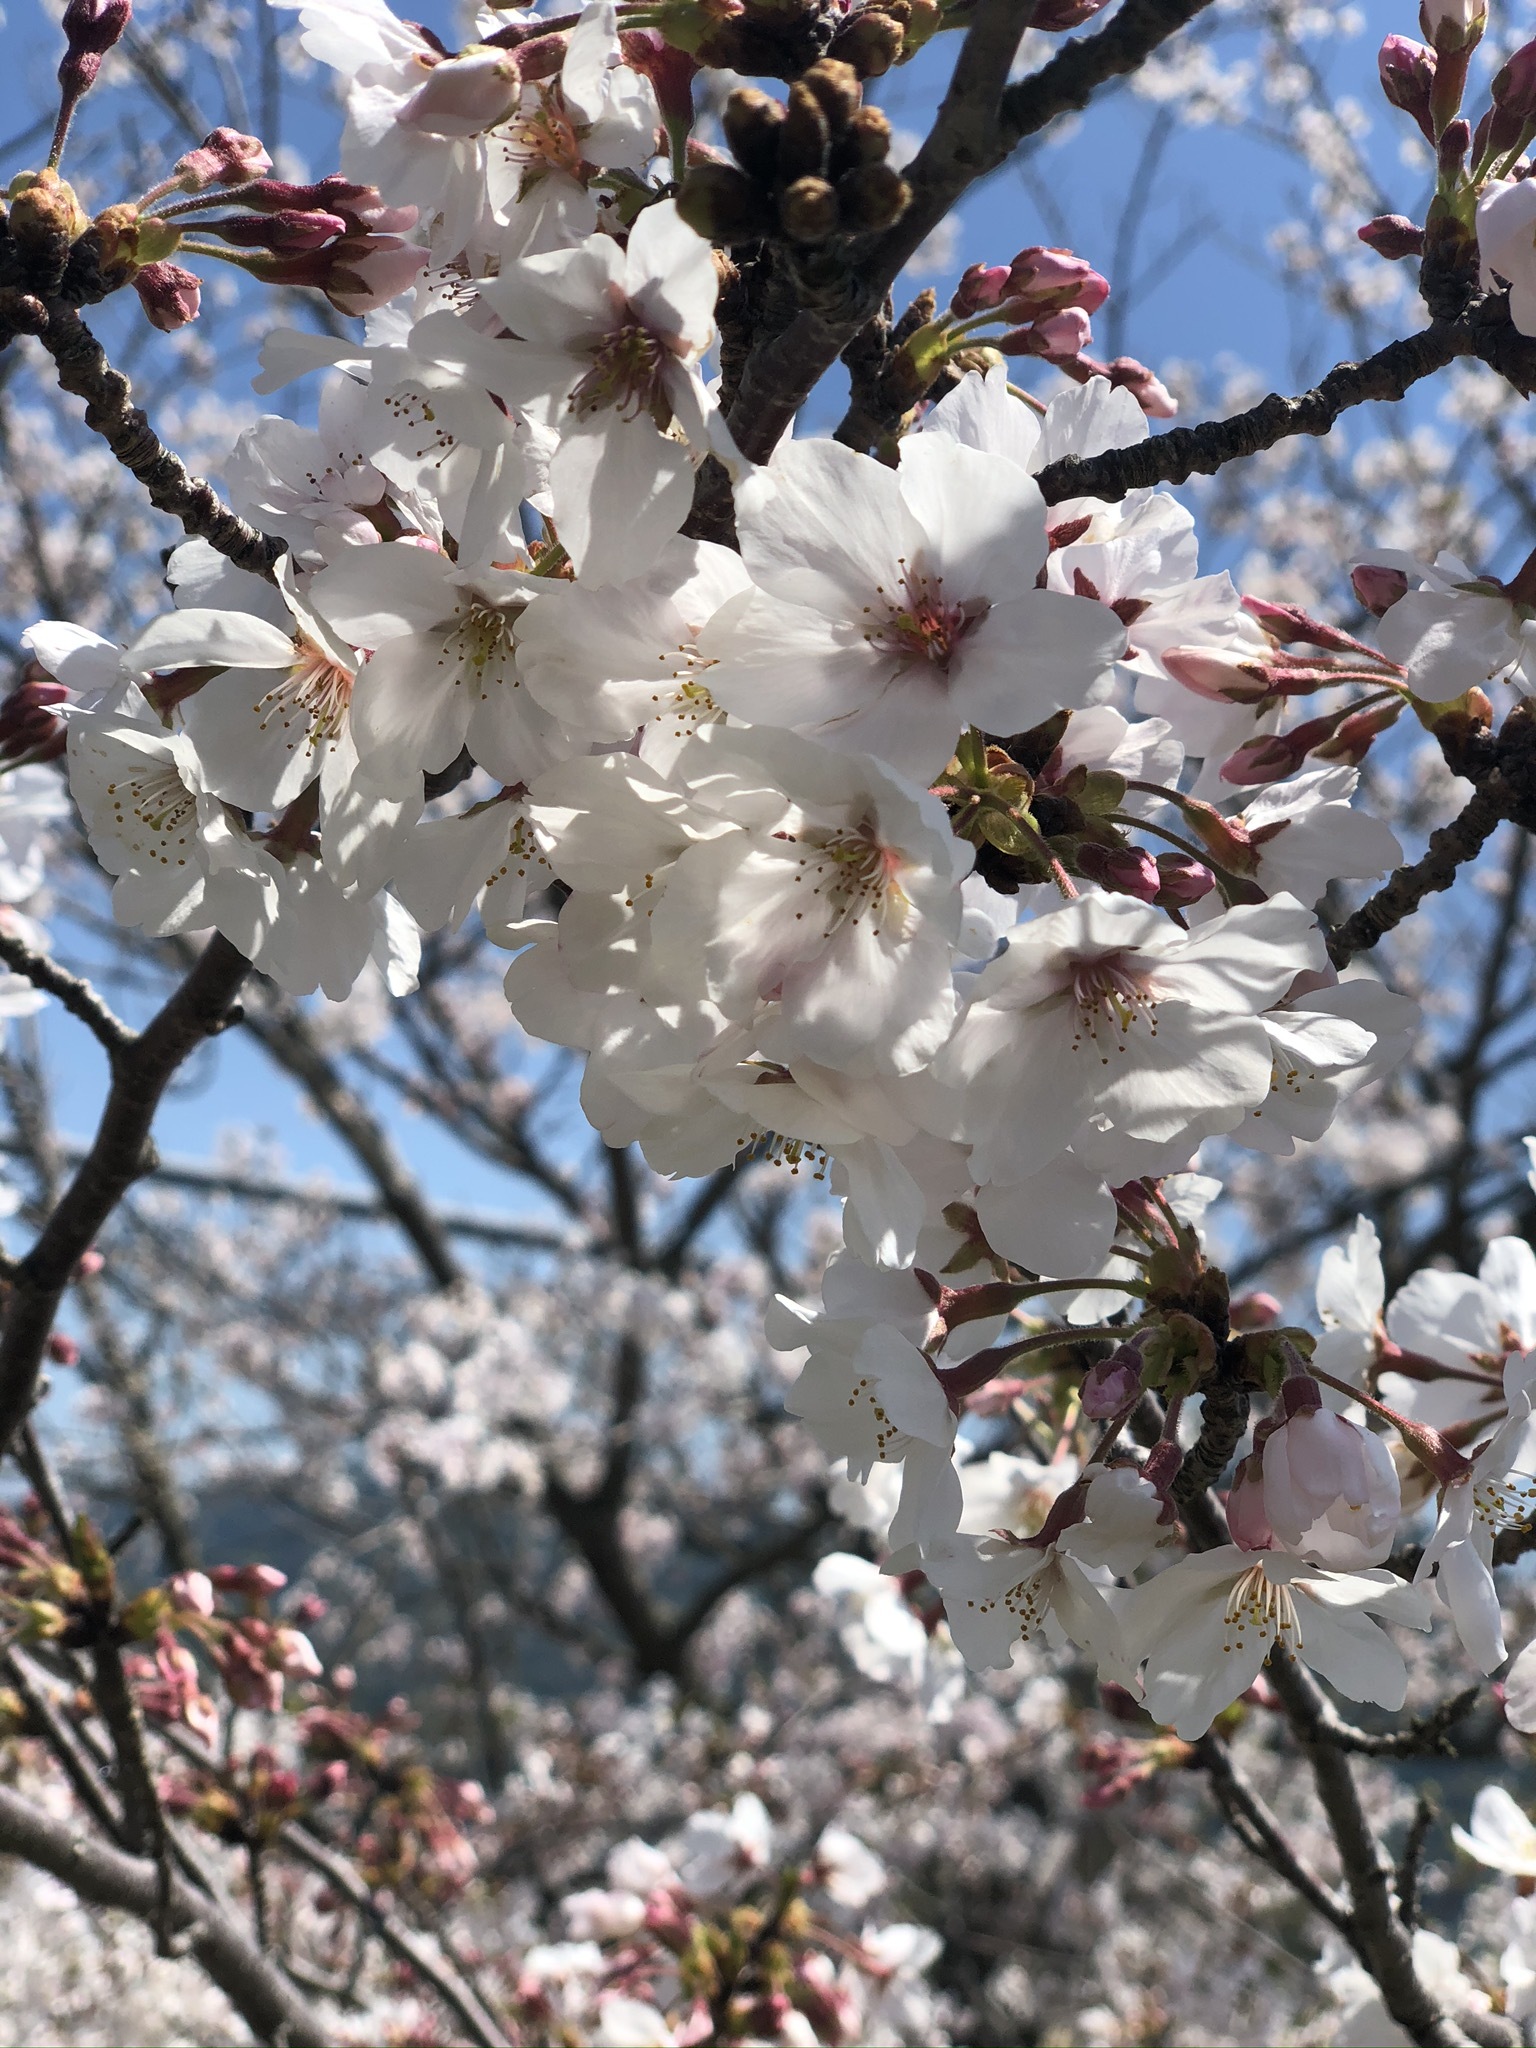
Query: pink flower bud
(255, 1581)
(1221, 674)
(670, 71)
(1246, 1518)
(1050, 280)
(63, 1350)
(1275, 756)
(465, 95)
(1181, 881)
(294, 1653)
(1514, 87)
(1124, 870)
(359, 206)
(226, 157)
(1330, 1489)
(1059, 334)
(171, 297)
(1378, 589)
(289, 233)
(1392, 235)
(1149, 391)
(376, 272)
(1358, 733)
(1255, 1312)
(1407, 73)
(91, 27)
(1112, 1384)
(192, 1593)
(981, 288)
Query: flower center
(479, 648)
(542, 137)
(1027, 1601)
(917, 622)
(1507, 1503)
(311, 701)
(1256, 1602)
(855, 875)
(1110, 992)
(626, 372)
(154, 814)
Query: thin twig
(72, 990)
(1449, 849)
(1260, 1833)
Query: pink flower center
(1111, 991)
(852, 874)
(918, 623)
(311, 701)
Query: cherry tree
(1020, 1291)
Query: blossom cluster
(951, 845)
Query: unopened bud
(724, 205)
(1392, 235)
(1254, 1312)
(1148, 390)
(836, 89)
(1507, 128)
(1181, 881)
(1289, 624)
(1378, 589)
(670, 71)
(1407, 72)
(1123, 870)
(1246, 1516)
(981, 288)
(805, 138)
(751, 124)
(1112, 1384)
(1276, 755)
(289, 233)
(91, 27)
(1452, 25)
(870, 43)
(1451, 151)
(808, 211)
(1059, 334)
(63, 1350)
(46, 219)
(872, 197)
(170, 296)
(1221, 674)
(226, 157)
(1044, 280)
(1358, 733)
(192, 1593)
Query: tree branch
(104, 1876)
(72, 990)
(1260, 1833)
(1450, 848)
(1183, 452)
(197, 1010)
(85, 373)
(978, 124)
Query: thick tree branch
(199, 1008)
(1183, 452)
(978, 124)
(84, 372)
(1450, 848)
(105, 1876)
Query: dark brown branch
(1406, 1880)
(198, 1009)
(72, 990)
(105, 1876)
(1374, 1929)
(978, 124)
(1449, 849)
(85, 373)
(45, 1720)
(1189, 451)
(1425, 1735)
(1260, 1833)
